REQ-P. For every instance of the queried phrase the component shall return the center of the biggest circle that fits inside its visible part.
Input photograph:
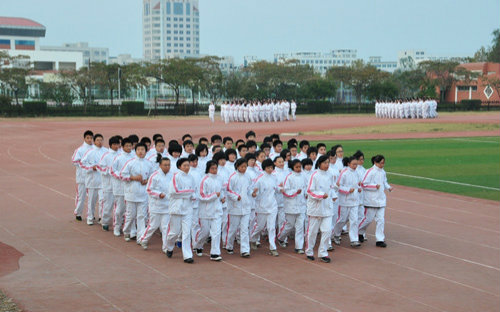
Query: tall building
(320, 61)
(409, 59)
(170, 28)
(90, 54)
(387, 66)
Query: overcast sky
(265, 27)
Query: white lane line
(443, 207)
(66, 272)
(445, 221)
(442, 235)
(281, 286)
(443, 181)
(420, 271)
(47, 156)
(475, 141)
(15, 158)
(445, 255)
(325, 267)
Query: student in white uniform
(375, 184)
(304, 146)
(159, 148)
(293, 107)
(211, 111)
(107, 182)
(181, 195)
(361, 171)
(210, 212)
(294, 188)
(238, 194)
(349, 189)
(265, 188)
(136, 173)
(280, 172)
(76, 159)
(320, 194)
(157, 189)
(223, 175)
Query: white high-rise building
(170, 28)
(320, 61)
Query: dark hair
(304, 143)
(143, 145)
(306, 161)
(241, 147)
(215, 137)
(290, 146)
(284, 152)
(187, 135)
(113, 140)
(227, 139)
(240, 142)
(377, 158)
(173, 142)
(267, 163)
(278, 141)
(202, 139)
(157, 136)
(240, 162)
(98, 135)
(145, 140)
(133, 138)
(347, 160)
(335, 147)
(275, 136)
(267, 140)
(180, 162)
(160, 158)
(159, 141)
(126, 141)
(218, 156)
(312, 149)
(292, 141)
(320, 160)
(292, 163)
(249, 134)
(174, 148)
(187, 142)
(264, 145)
(251, 143)
(358, 154)
(320, 145)
(88, 132)
(249, 156)
(278, 157)
(192, 157)
(230, 151)
(210, 163)
(214, 147)
(257, 153)
(119, 137)
(200, 148)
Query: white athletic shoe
(90, 222)
(144, 245)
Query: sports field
(443, 249)
(467, 166)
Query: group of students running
(418, 108)
(199, 194)
(254, 111)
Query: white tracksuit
(158, 207)
(211, 112)
(136, 197)
(238, 211)
(266, 208)
(361, 171)
(197, 176)
(348, 203)
(280, 175)
(374, 201)
(293, 107)
(181, 196)
(108, 202)
(118, 190)
(81, 190)
(223, 175)
(93, 181)
(209, 213)
(319, 211)
(295, 207)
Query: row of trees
(260, 80)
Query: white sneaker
(90, 222)
(336, 240)
(127, 237)
(117, 234)
(144, 245)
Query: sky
(264, 27)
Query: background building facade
(170, 28)
(320, 61)
(90, 54)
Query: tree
(212, 82)
(408, 82)
(106, 76)
(80, 81)
(59, 92)
(174, 72)
(441, 73)
(385, 88)
(317, 88)
(14, 79)
(494, 54)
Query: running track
(443, 253)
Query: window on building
(146, 9)
(168, 24)
(181, 25)
(188, 45)
(176, 45)
(188, 39)
(176, 38)
(181, 50)
(188, 51)
(181, 38)
(181, 19)
(181, 45)
(175, 19)
(176, 32)
(181, 32)
(176, 51)
(188, 19)
(188, 32)
(169, 38)
(175, 25)
(169, 51)
(168, 19)
(169, 32)
(169, 44)
(188, 26)
(157, 25)
(178, 8)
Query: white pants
(180, 224)
(195, 226)
(157, 220)
(224, 225)
(212, 117)
(212, 227)
(281, 217)
(93, 194)
(378, 215)
(235, 223)
(315, 224)
(293, 221)
(293, 114)
(135, 214)
(265, 221)
(352, 214)
(108, 203)
(81, 194)
(118, 214)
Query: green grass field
(469, 160)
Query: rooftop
(18, 26)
